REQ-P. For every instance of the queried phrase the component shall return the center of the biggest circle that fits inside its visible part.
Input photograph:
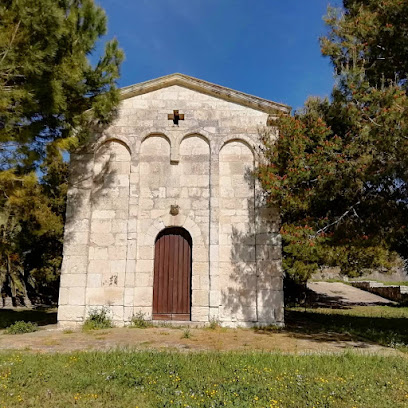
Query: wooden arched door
(172, 275)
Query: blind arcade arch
(172, 275)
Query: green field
(157, 379)
(385, 282)
(125, 379)
(385, 325)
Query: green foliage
(270, 328)
(98, 319)
(384, 282)
(139, 321)
(338, 169)
(21, 327)
(158, 379)
(11, 268)
(47, 84)
(214, 323)
(369, 34)
(51, 100)
(32, 220)
(186, 334)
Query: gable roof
(205, 87)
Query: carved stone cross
(175, 117)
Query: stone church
(164, 216)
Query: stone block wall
(393, 292)
(121, 192)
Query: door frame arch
(200, 284)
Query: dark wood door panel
(172, 275)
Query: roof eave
(205, 87)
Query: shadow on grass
(41, 316)
(332, 325)
(318, 300)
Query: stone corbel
(175, 147)
(175, 153)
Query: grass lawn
(147, 378)
(157, 379)
(385, 325)
(385, 282)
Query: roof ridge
(206, 87)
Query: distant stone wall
(396, 293)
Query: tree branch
(11, 42)
(324, 229)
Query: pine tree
(51, 99)
(339, 168)
(372, 34)
(49, 91)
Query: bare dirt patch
(51, 339)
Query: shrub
(98, 319)
(214, 323)
(186, 334)
(22, 327)
(139, 321)
(271, 328)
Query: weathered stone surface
(117, 252)
(76, 296)
(71, 313)
(63, 296)
(76, 280)
(98, 253)
(99, 266)
(74, 264)
(102, 240)
(124, 192)
(199, 314)
(270, 305)
(94, 280)
(143, 296)
(200, 297)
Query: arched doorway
(172, 275)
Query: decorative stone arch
(167, 220)
(103, 142)
(101, 168)
(203, 145)
(247, 141)
(149, 135)
(200, 258)
(118, 139)
(155, 134)
(200, 133)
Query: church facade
(164, 216)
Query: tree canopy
(51, 99)
(338, 169)
(47, 83)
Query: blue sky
(268, 48)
